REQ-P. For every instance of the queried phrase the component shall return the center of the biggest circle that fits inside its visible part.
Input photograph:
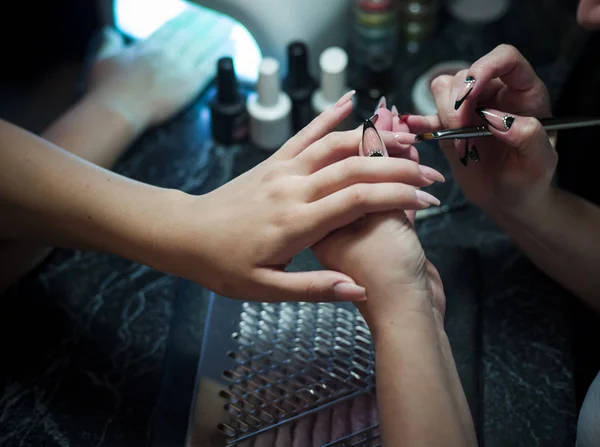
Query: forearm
(420, 397)
(562, 237)
(94, 131)
(53, 197)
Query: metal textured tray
(292, 359)
(273, 364)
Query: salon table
(100, 351)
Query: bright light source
(223, 35)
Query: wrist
(532, 215)
(392, 309)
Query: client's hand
(382, 252)
(515, 169)
(152, 79)
(238, 239)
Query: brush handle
(549, 124)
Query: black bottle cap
(229, 119)
(227, 85)
(298, 76)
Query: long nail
(427, 198)
(346, 291)
(464, 92)
(372, 143)
(465, 158)
(498, 120)
(394, 111)
(473, 154)
(382, 104)
(432, 174)
(344, 99)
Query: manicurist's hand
(502, 91)
(238, 239)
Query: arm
(78, 132)
(94, 209)
(420, 397)
(562, 237)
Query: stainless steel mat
(292, 360)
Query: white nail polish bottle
(333, 64)
(269, 109)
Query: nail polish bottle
(377, 79)
(375, 27)
(333, 65)
(229, 119)
(269, 109)
(299, 85)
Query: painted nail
(346, 291)
(372, 143)
(394, 111)
(464, 92)
(427, 198)
(405, 137)
(498, 120)
(382, 104)
(432, 174)
(465, 158)
(344, 99)
(474, 154)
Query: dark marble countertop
(87, 339)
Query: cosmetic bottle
(229, 119)
(269, 109)
(376, 80)
(375, 27)
(333, 64)
(299, 85)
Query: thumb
(526, 134)
(316, 286)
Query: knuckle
(269, 177)
(312, 290)
(441, 83)
(357, 196)
(332, 140)
(508, 49)
(351, 166)
(531, 127)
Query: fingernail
(473, 154)
(465, 158)
(344, 99)
(394, 111)
(464, 92)
(405, 137)
(404, 117)
(432, 174)
(498, 120)
(382, 104)
(372, 144)
(346, 291)
(427, 198)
